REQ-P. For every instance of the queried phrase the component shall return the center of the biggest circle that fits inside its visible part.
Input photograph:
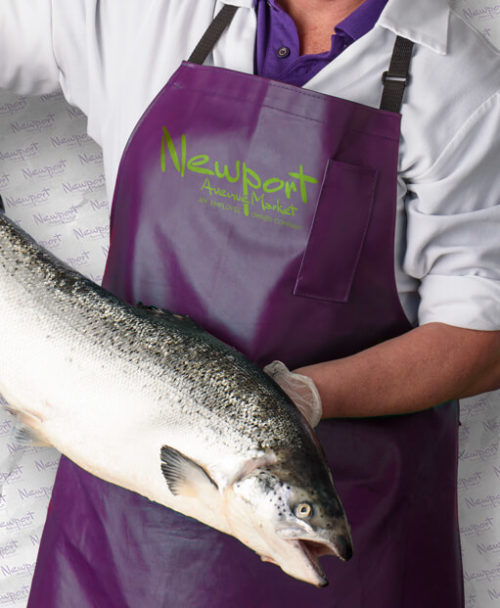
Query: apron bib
(266, 213)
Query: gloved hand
(301, 390)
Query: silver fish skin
(148, 400)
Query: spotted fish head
(290, 522)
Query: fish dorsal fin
(184, 476)
(166, 314)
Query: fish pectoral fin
(184, 476)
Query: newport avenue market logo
(238, 188)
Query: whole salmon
(150, 401)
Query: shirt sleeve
(27, 61)
(453, 227)
(72, 45)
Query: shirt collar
(424, 22)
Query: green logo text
(240, 173)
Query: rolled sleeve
(453, 227)
(463, 301)
(27, 61)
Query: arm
(452, 249)
(418, 370)
(27, 62)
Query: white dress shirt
(111, 58)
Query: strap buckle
(404, 80)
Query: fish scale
(148, 400)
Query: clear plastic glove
(301, 390)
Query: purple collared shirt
(277, 51)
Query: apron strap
(213, 33)
(396, 78)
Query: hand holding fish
(301, 390)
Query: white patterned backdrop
(52, 183)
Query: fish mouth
(342, 548)
(300, 555)
(313, 550)
(305, 564)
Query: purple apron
(266, 213)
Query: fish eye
(303, 510)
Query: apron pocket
(337, 233)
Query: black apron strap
(213, 33)
(396, 78)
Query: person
(316, 185)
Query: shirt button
(283, 52)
